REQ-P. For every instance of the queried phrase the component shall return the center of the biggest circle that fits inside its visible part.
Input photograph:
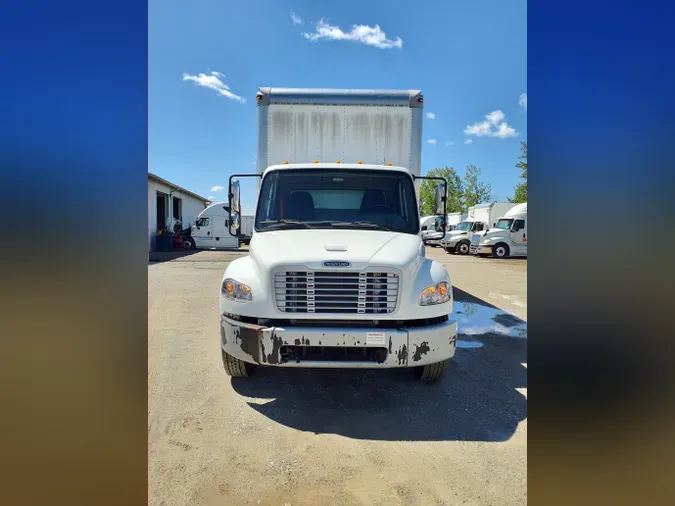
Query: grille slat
(336, 292)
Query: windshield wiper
(361, 224)
(284, 222)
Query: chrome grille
(336, 292)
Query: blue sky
(207, 58)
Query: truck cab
(212, 228)
(336, 274)
(458, 240)
(435, 231)
(508, 238)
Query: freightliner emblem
(337, 264)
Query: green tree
(520, 191)
(428, 191)
(474, 191)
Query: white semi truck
(508, 238)
(337, 274)
(452, 220)
(212, 230)
(480, 217)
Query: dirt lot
(315, 437)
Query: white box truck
(337, 274)
(479, 217)
(508, 238)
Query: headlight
(435, 294)
(486, 241)
(235, 290)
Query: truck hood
(311, 248)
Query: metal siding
(304, 133)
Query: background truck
(433, 227)
(246, 227)
(507, 238)
(212, 230)
(337, 275)
(434, 238)
(479, 217)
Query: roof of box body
(404, 98)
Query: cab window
(202, 222)
(518, 225)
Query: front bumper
(481, 249)
(338, 347)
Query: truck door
(518, 236)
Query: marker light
(337, 161)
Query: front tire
(431, 372)
(500, 250)
(463, 248)
(188, 244)
(236, 368)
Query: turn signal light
(337, 161)
(359, 161)
(389, 164)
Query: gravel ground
(315, 437)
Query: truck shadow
(477, 399)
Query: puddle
(475, 320)
(468, 345)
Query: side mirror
(234, 207)
(439, 204)
(235, 203)
(234, 224)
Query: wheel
(462, 248)
(449, 250)
(431, 372)
(500, 250)
(188, 243)
(236, 368)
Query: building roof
(176, 187)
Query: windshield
(349, 198)
(465, 225)
(504, 223)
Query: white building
(167, 200)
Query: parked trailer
(337, 274)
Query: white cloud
(364, 34)
(522, 101)
(449, 143)
(431, 141)
(493, 126)
(214, 81)
(431, 115)
(297, 20)
(211, 197)
(217, 188)
(468, 141)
